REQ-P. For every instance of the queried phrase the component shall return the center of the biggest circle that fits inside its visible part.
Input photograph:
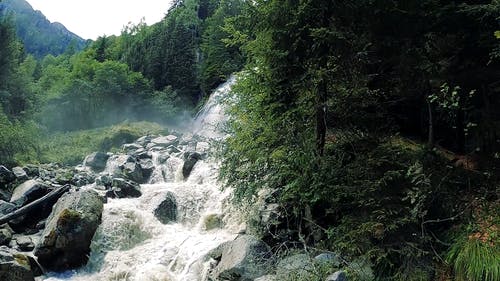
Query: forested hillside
(39, 35)
(370, 129)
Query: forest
(373, 124)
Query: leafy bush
(17, 141)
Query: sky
(90, 19)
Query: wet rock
(212, 221)
(6, 176)
(28, 192)
(167, 210)
(133, 171)
(165, 141)
(20, 174)
(190, 160)
(6, 208)
(14, 266)
(82, 178)
(122, 188)
(5, 234)
(147, 167)
(65, 241)
(245, 258)
(96, 161)
(24, 243)
(104, 180)
(298, 265)
(142, 154)
(337, 276)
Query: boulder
(298, 265)
(243, 259)
(28, 192)
(96, 161)
(65, 241)
(20, 174)
(144, 140)
(329, 258)
(82, 178)
(133, 171)
(167, 210)
(6, 176)
(190, 160)
(122, 188)
(337, 276)
(6, 208)
(5, 234)
(147, 167)
(32, 170)
(131, 147)
(24, 243)
(164, 140)
(14, 266)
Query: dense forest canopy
(373, 123)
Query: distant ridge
(39, 35)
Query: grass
(475, 260)
(70, 148)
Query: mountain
(39, 35)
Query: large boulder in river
(28, 192)
(65, 241)
(96, 161)
(243, 259)
(190, 160)
(165, 141)
(20, 174)
(122, 188)
(167, 210)
(14, 266)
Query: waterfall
(132, 244)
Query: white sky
(93, 18)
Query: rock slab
(65, 241)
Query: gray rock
(96, 161)
(165, 141)
(6, 176)
(337, 276)
(6, 207)
(20, 174)
(133, 171)
(190, 160)
(298, 265)
(31, 170)
(122, 188)
(28, 192)
(147, 167)
(167, 210)
(131, 147)
(142, 154)
(332, 259)
(243, 259)
(25, 243)
(144, 140)
(104, 180)
(5, 234)
(14, 266)
(82, 178)
(65, 241)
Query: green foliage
(475, 260)
(18, 141)
(71, 148)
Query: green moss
(68, 216)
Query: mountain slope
(39, 35)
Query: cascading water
(132, 244)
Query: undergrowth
(71, 147)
